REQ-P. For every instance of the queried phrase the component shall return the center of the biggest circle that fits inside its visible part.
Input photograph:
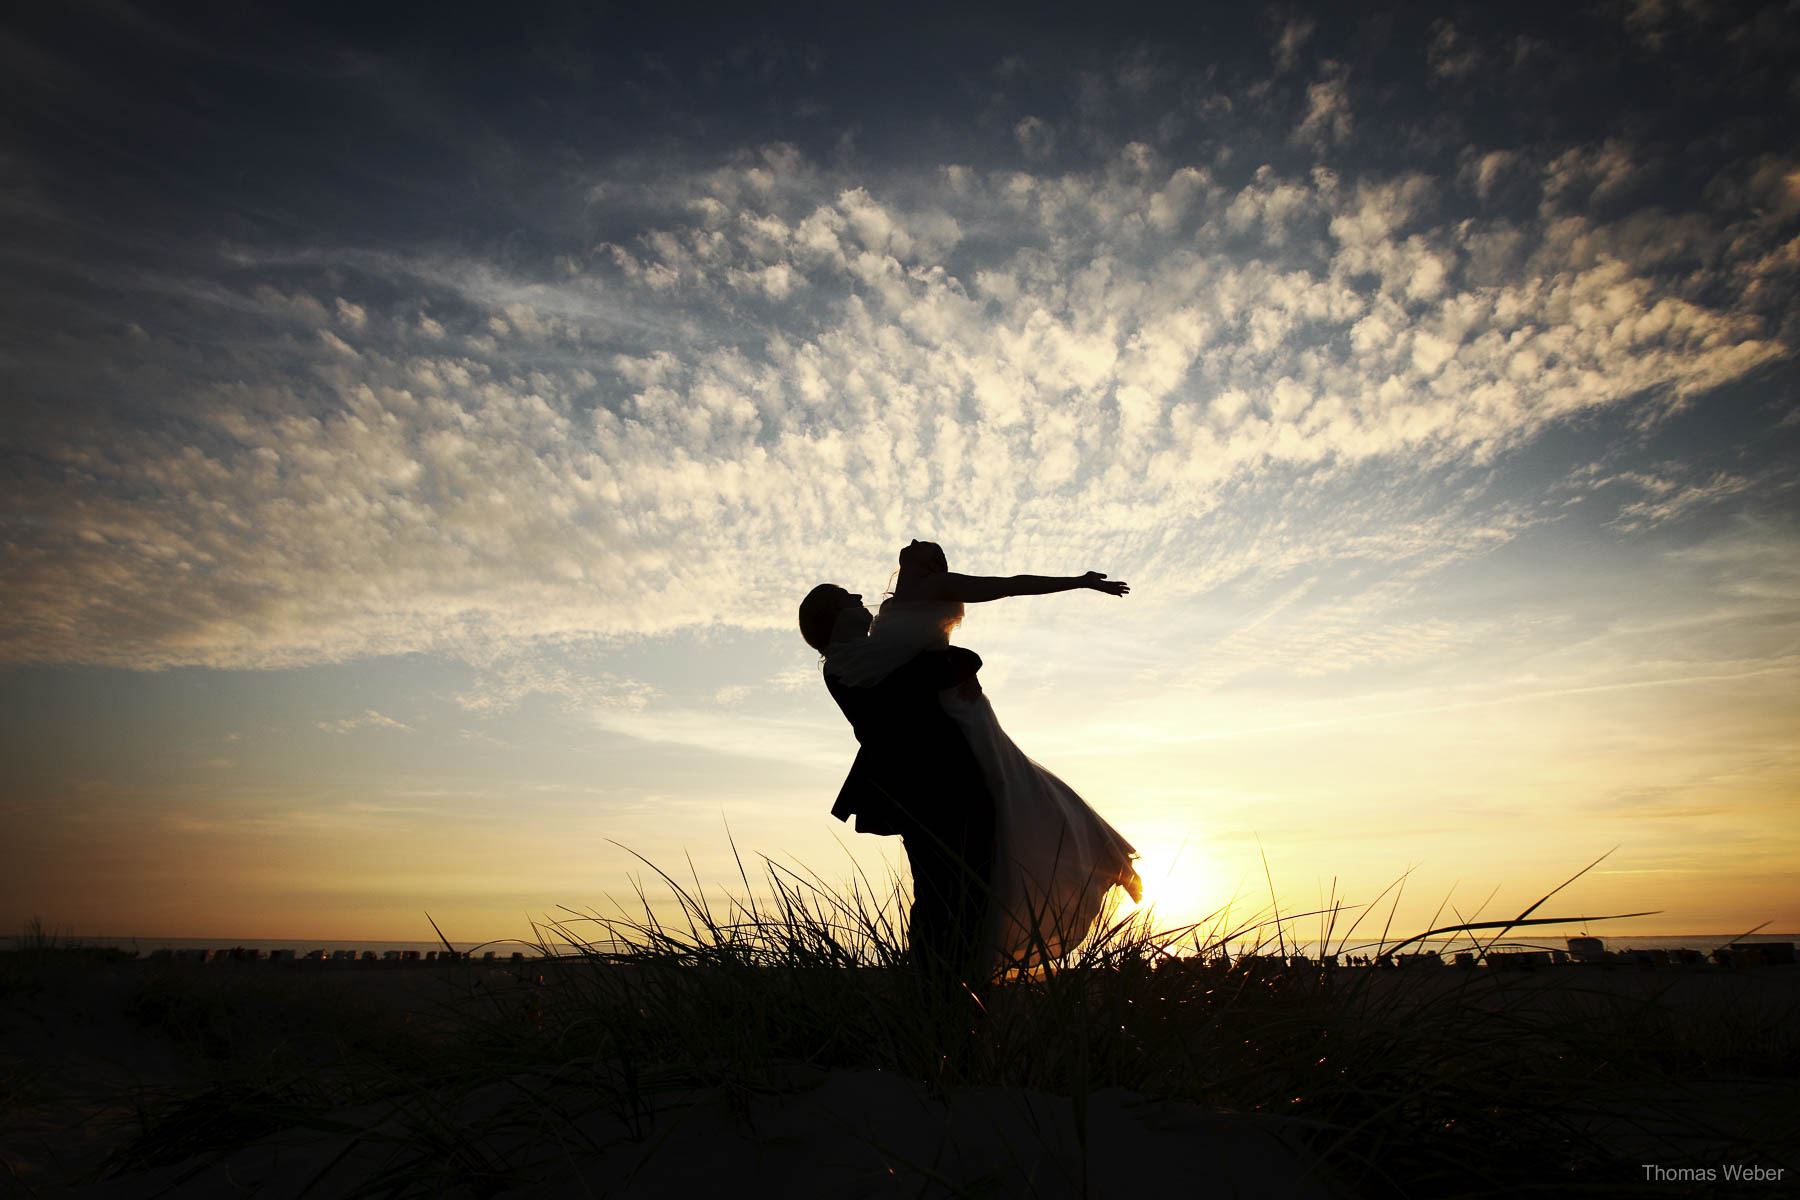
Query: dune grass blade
(1422, 1082)
(1514, 923)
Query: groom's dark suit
(915, 775)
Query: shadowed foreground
(784, 1047)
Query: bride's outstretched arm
(974, 589)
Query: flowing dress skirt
(1055, 858)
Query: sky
(422, 425)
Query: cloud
(1667, 499)
(1294, 34)
(763, 370)
(790, 742)
(1035, 138)
(369, 719)
(505, 676)
(1451, 55)
(1328, 118)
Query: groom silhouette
(915, 776)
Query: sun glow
(1181, 884)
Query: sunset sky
(421, 429)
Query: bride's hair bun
(927, 556)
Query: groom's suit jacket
(914, 769)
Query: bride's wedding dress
(1055, 858)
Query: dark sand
(84, 1046)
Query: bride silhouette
(1055, 858)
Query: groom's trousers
(952, 862)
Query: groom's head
(831, 614)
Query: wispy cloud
(793, 743)
(368, 719)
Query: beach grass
(1409, 1081)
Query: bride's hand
(1100, 583)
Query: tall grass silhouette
(1414, 1081)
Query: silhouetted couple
(1010, 867)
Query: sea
(1705, 943)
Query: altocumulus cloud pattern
(1358, 302)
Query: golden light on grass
(584, 1063)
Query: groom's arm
(939, 670)
(963, 664)
(967, 685)
(960, 667)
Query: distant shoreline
(503, 949)
(375, 943)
